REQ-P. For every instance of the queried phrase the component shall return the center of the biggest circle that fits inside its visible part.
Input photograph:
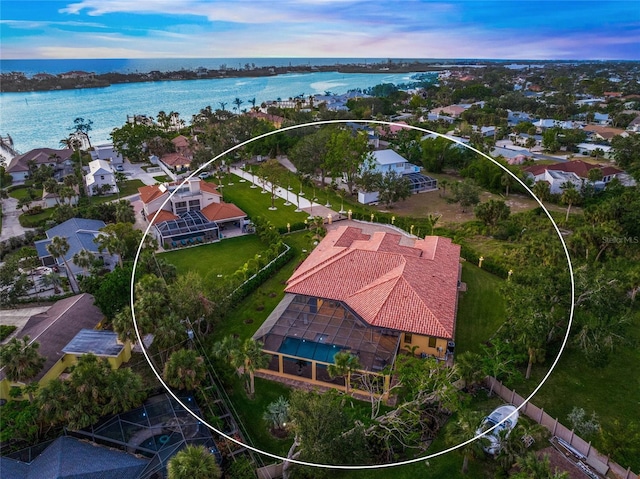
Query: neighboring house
(453, 111)
(182, 146)
(106, 152)
(521, 139)
(191, 212)
(80, 233)
(634, 126)
(275, 120)
(18, 167)
(576, 172)
(71, 458)
(589, 149)
(101, 178)
(387, 161)
(50, 200)
(373, 138)
(513, 157)
(546, 123)
(57, 328)
(175, 162)
(370, 293)
(604, 133)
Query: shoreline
(17, 82)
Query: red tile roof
(180, 141)
(163, 215)
(175, 159)
(149, 193)
(579, 167)
(209, 187)
(407, 288)
(222, 211)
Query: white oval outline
(364, 466)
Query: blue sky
(564, 29)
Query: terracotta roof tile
(222, 211)
(163, 215)
(388, 285)
(175, 159)
(149, 193)
(209, 187)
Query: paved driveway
(10, 225)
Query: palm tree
(432, 220)
(124, 212)
(125, 390)
(193, 462)
(570, 196)
(223, 105)
(237, 102)
(344, 363)
(52, 279)
(506, 180)
(464, 429)
(20, 359)
(444, 183)
(542, 190)
(58, 248)
(254, 359)
(540, 468)
(253, 103)
(185, 370)
(83, 259)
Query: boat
(498, 416)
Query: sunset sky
(600, 30)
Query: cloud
(40, 24)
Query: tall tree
(346, 155)
(83, 127)
(466, 424)
(193, 462)
(58, 248)
(570, 196)
(344, 363)
(185, 370)
(20, 359)
(83, 259)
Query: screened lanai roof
(189, 222)
(419, 181)
(158, 429)
(315, 329)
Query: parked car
(497, 416)
(204, 175)
(119, 168)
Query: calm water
(42, 119)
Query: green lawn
(32, 221)
(21, 193)
(254, 203)
(481, 309)
(252, 410)
(223, 257)
(162, 178)
(248, 316)
(611, 391)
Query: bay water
(41, 119)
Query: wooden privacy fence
(576, 444)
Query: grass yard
(32, 221)
(248, 316)
(162, 178)
(611, 391)
(481, 309)
(223, 257)
(254, 203)
(252, 411)
(21, 193)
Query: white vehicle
(204, 175)
(496, 417)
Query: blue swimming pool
(309, 349)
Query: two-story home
(101, 178)
(192, 212)
(370, 291)
(387, 161)
(20, 166)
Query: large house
(387, 161)
(65, 332)
(81, 234)
(101, 178)
(370, 291)
(576, 172)
(19, 166)
(182, 214)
